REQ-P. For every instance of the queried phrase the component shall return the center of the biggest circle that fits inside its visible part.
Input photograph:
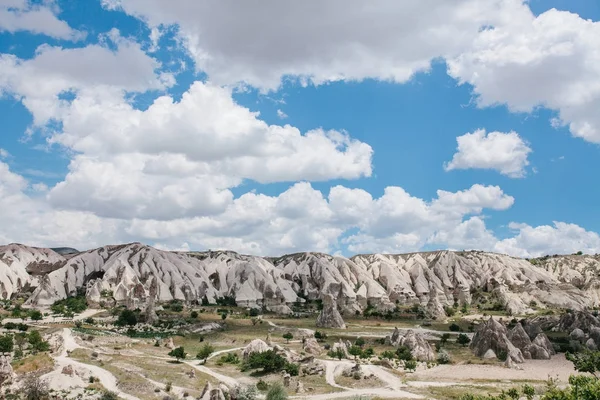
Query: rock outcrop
(582, 320)
(124, 275)
(493, 339)
(6, 371)
(330, 317)
(255, 346)
(419, 347)
(493, 335)
(311, 346)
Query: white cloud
(260, 43)
(561, 238)
(24, 15)
(179, 159)
(281, 114)
(551, 60)
(4, 153)
(505, 152)
(97, 69)
(34, 222)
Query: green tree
(410, 365)
(528, 391)
(588, 361)
(288, 336)
(37, 342)
(276, 392)
(126, 317)
(205, 352)
(463, 339)
(403, 353)
(194, 314)
(106, 395)
(178, 353)
(268, 360)
(360, 342)
(224, 316)
(35, 315)
(444, 338)
(6, 344)
(355, 351)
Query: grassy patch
(41, 363)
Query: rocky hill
(131, 274)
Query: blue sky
(274, 129)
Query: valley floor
(138, 369)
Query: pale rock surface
(519, 338)
(330, 316)
(541, 348)
(419, 347)
(577, 334)
(582, 320)
(591, 345)
(311, 346)
(431, 279)
(255, 346)
(343, 346)
(6, 371)
(493, 335)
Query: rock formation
(255, 346)
(210, 393)
(493, 339)
(343, 346)
(419, 347)
(582, 320)
(330, 316)
(519, 338)
(311, 346)
(493, 335)
(6, 371)
(577, 334)
(434, 279)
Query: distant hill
(65, 251)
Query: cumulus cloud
(550, 61)
(41, 81)
(24, 15)
(559, 238)
(504, 152)
(260, 43)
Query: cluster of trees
(33, 338)
(70, 306)
(269, 361)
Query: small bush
(276, 392)
(454, 327)
(410, 365)
(262, 385)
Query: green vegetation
(70, 306)
(269, 361)
(127, 317)
(6, 344)
(229, 358)
(288, 336)
(276, 392)
(463, 339)
(410, 365)
(35, 315)
(178, 353)
(205, 352)
(37, 343)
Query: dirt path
(393, 389)
(229, 381)
(218, 353)
(108, 380)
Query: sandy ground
(56, 379)
(533, 370)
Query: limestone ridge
(124, 274)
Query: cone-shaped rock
(330, 317)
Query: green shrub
(403, 353)
(276, 392)
(410, 365)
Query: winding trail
(108, 380)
